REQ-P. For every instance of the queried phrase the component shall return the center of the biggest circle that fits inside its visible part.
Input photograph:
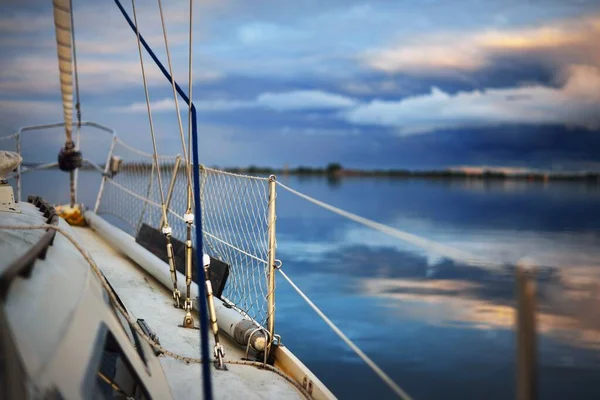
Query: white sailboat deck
(146, 298)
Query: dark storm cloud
(347, 80)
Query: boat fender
(242, 330)
(245, 332)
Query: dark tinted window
(115, 378)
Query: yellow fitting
(73, 215)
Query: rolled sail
(62, 24)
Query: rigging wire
(175, 98)
(190, 103)
(202, 306)
(449, 252)
(192, 134)
(189, 216)
(149, 108)
(166, 229)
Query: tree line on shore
(336, 171)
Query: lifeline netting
(132, 195)
(235, 225)
(234, 217)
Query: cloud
(107, 53)
(167, 104)
(304, 100)
(268, 50)
(370, 88)
(16, 113)
(39, 73)
(25, 23)
(563, 43)
(160, 105)
(255, 33)
(576, 103)
(299, 100)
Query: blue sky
(377, 84)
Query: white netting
(132, 195)
(234, 218)
(235, 227)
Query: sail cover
(62, 24)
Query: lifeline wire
(426, 244)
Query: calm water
(440, 329)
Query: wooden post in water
(526, 331)
(19, 167)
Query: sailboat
(165, 287)
(178, 304)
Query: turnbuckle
(167, 231)
(219, 352)
(188, 320)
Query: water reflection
(439, 328)
(429, 319)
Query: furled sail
(62, 24)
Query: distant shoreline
(424, 174)
(336, 172)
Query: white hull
(55, 314)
